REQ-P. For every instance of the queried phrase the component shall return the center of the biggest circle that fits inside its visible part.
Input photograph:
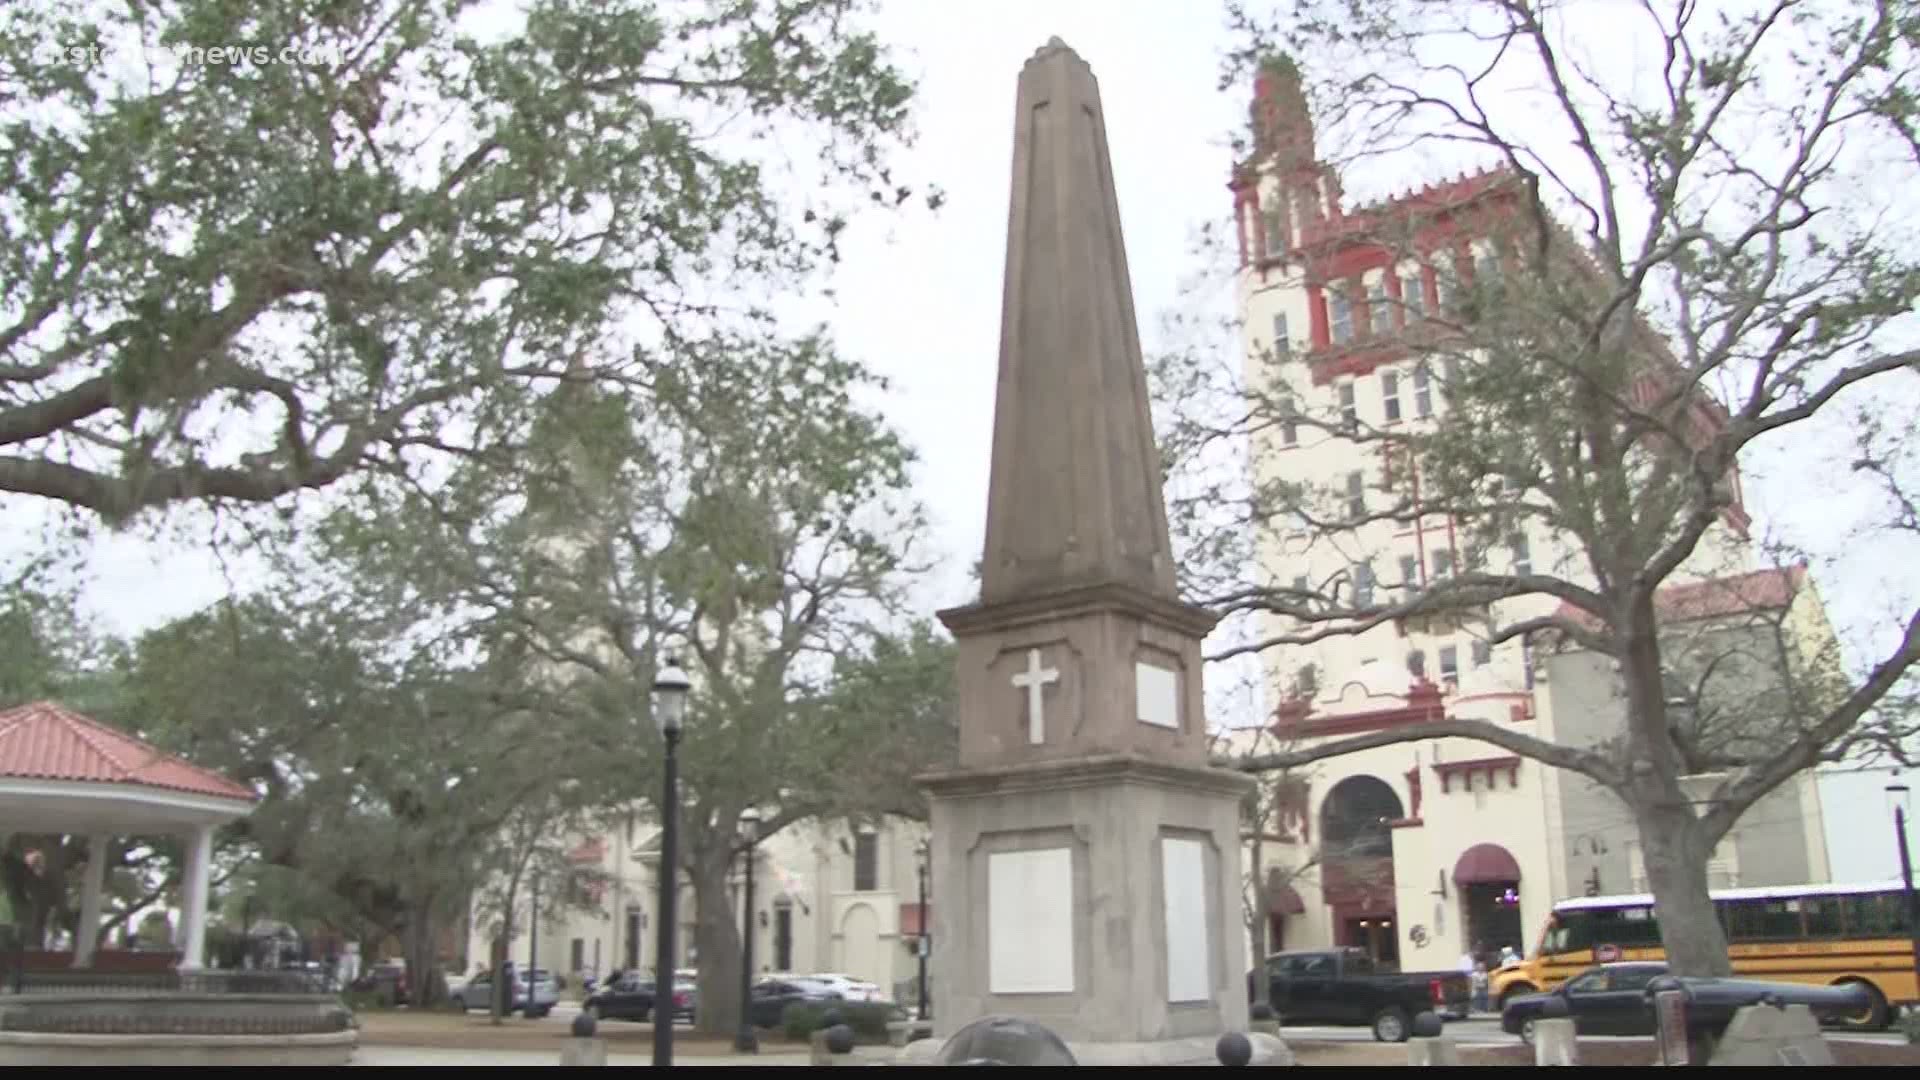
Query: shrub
(868, 1019)
(1910, 1024)
(367, 1000)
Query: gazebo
(61, 772)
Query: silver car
(545, 994)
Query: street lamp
(925, 853)
(1897, 795)
(670, 687)
(744, 1042)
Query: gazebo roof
(61, 771)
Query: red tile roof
(46, 741)
(1761, 590)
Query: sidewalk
(414, 1055)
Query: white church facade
(826, 898)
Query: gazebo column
(193, 898)
(88, 931)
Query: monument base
(1192, 1050)
(1099, 897)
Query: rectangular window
(1410, 573)
(1476, 558)
(1390, 394)
(1417, 664)
(1340, 316)
(1422, 391)
(1282, 341)
(1442, 564)
(1522, 554)
(1363, 585)
(1486, 271)
(783, 936)
(579, 955)
(1413, 293)
(1449, 292)
(1380, 309)
(1482, 653)
(866, 862)
(1289, 421)
(1276, 232)
(1449, 663)
(1356, 494)
(1349, 408)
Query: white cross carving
(1034, 681)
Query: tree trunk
(497, 1007)
(1257, 925)
(1672, 840)
(1676, 852)
(716, 937)
(425, 985)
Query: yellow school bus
(1823, 934)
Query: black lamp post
(670, 689)
(745, 1042)
(926, 931)
(1897, 793)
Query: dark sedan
(631, 997)
(1607, 1000)
(772, 996)
(1616, 999)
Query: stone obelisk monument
(1086, 859)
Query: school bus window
(1763, 920)
(1823, 917)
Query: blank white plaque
(1030, 921)
(1183, 864)
(1157, 691)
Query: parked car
(768, 1003)
(1345, 986)
(632, 997)
(849, 988)
(387, 979)
(1617, 999)
(536, 995)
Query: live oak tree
(744, 513)
(389, 764)
(1702, 256)
(233, 281)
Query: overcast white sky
(919, 299)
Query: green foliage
(868, 1019)
(387, 251)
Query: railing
(82, 981)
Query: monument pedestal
(1099, 896)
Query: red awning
(1484, 864)
(1282, 897)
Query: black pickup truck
(1344, 986)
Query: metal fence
(82, 981)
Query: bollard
(1234, 1050)
(1429, 1045)
(1677, 1046)
(584, 1048)
(1554, 1042)
(1261, 1018)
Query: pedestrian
(1480, 987)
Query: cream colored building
(1421, 850)
(827, 898)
